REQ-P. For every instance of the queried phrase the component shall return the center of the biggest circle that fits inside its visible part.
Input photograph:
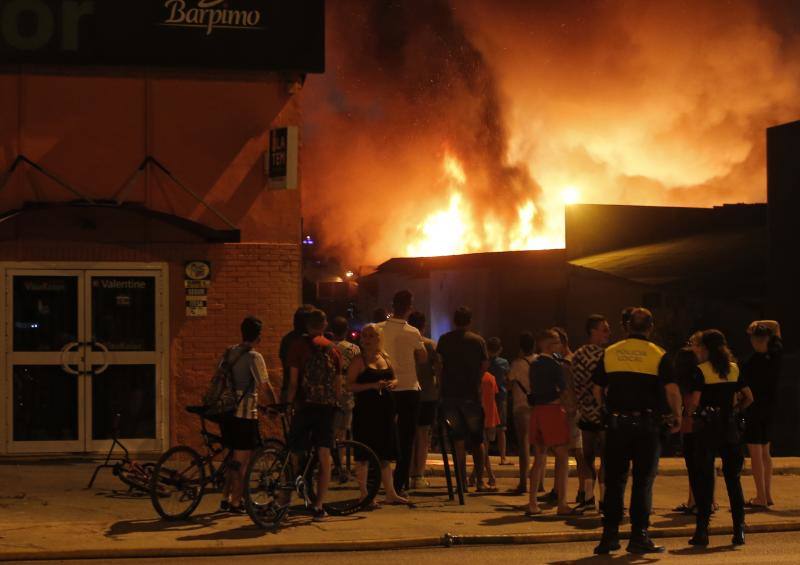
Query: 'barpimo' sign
(210, 15)
(270, 35)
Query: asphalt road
(760, 548)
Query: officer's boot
(609, 541)
(641, 543)
(738, 533)
(700, 537)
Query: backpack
(319, 375)
(220, 399)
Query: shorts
(427, 413)
(312, 425)
(549, 426)
(465, 418)
(758, 430)
(489, 435)
(343, 420)
(502, 410)
(239, 434)
(575, 437)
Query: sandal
(529, 513)
(682, 507)
(753, 504)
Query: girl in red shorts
(549, 427)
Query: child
(491, 419)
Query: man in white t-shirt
(405, 348)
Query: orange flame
(455, 229)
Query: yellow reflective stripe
(711, 377)
(633, 356)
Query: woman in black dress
(371, 378)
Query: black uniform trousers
(640, 445)
(707, 448)
(407, 410)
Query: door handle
(64, 365)
(104, 366)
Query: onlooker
(519, 386)
(379, 315)
(240, 430)
(428, 377)
(371, 378)
(625, 319)
(590, 415)
(491, 419)
(344, 415)
(684, 366)
(761, 373)
(570, 404)
(499, 368)
(549, 428)
(315, 382)
(295, 334)
(464, 360)
(405, 348)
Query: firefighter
(635, 385)
(718, 398)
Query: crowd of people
(608, 405)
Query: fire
(455, 229)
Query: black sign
(266, 35)
(278, 153)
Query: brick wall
(262, 279)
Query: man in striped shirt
(584, 362)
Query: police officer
(719, 396)
(634, 382)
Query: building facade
(139, 219)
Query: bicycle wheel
(177, 484)
(136, 476)
(268, 486)
(346, 494)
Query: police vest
(633, 355)
(711, 377)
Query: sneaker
(236, 509)
(319, 514)
(418, 483)
(224, 505)
(551, 497)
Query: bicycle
(181, 476)
(135, 475)
(271, 478)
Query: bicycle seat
(199, 410)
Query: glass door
(123, 358)
(86, 357)
(45, 327)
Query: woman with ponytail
(718, 397)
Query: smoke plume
(640, 102)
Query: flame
(455, 229)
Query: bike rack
(115, 437)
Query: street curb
(444, 541)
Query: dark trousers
(407, 410)
(732, 462)
(625, 445)
(689, 453)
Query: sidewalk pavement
(47, 513)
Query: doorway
(84, 359)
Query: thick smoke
(643, 102)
